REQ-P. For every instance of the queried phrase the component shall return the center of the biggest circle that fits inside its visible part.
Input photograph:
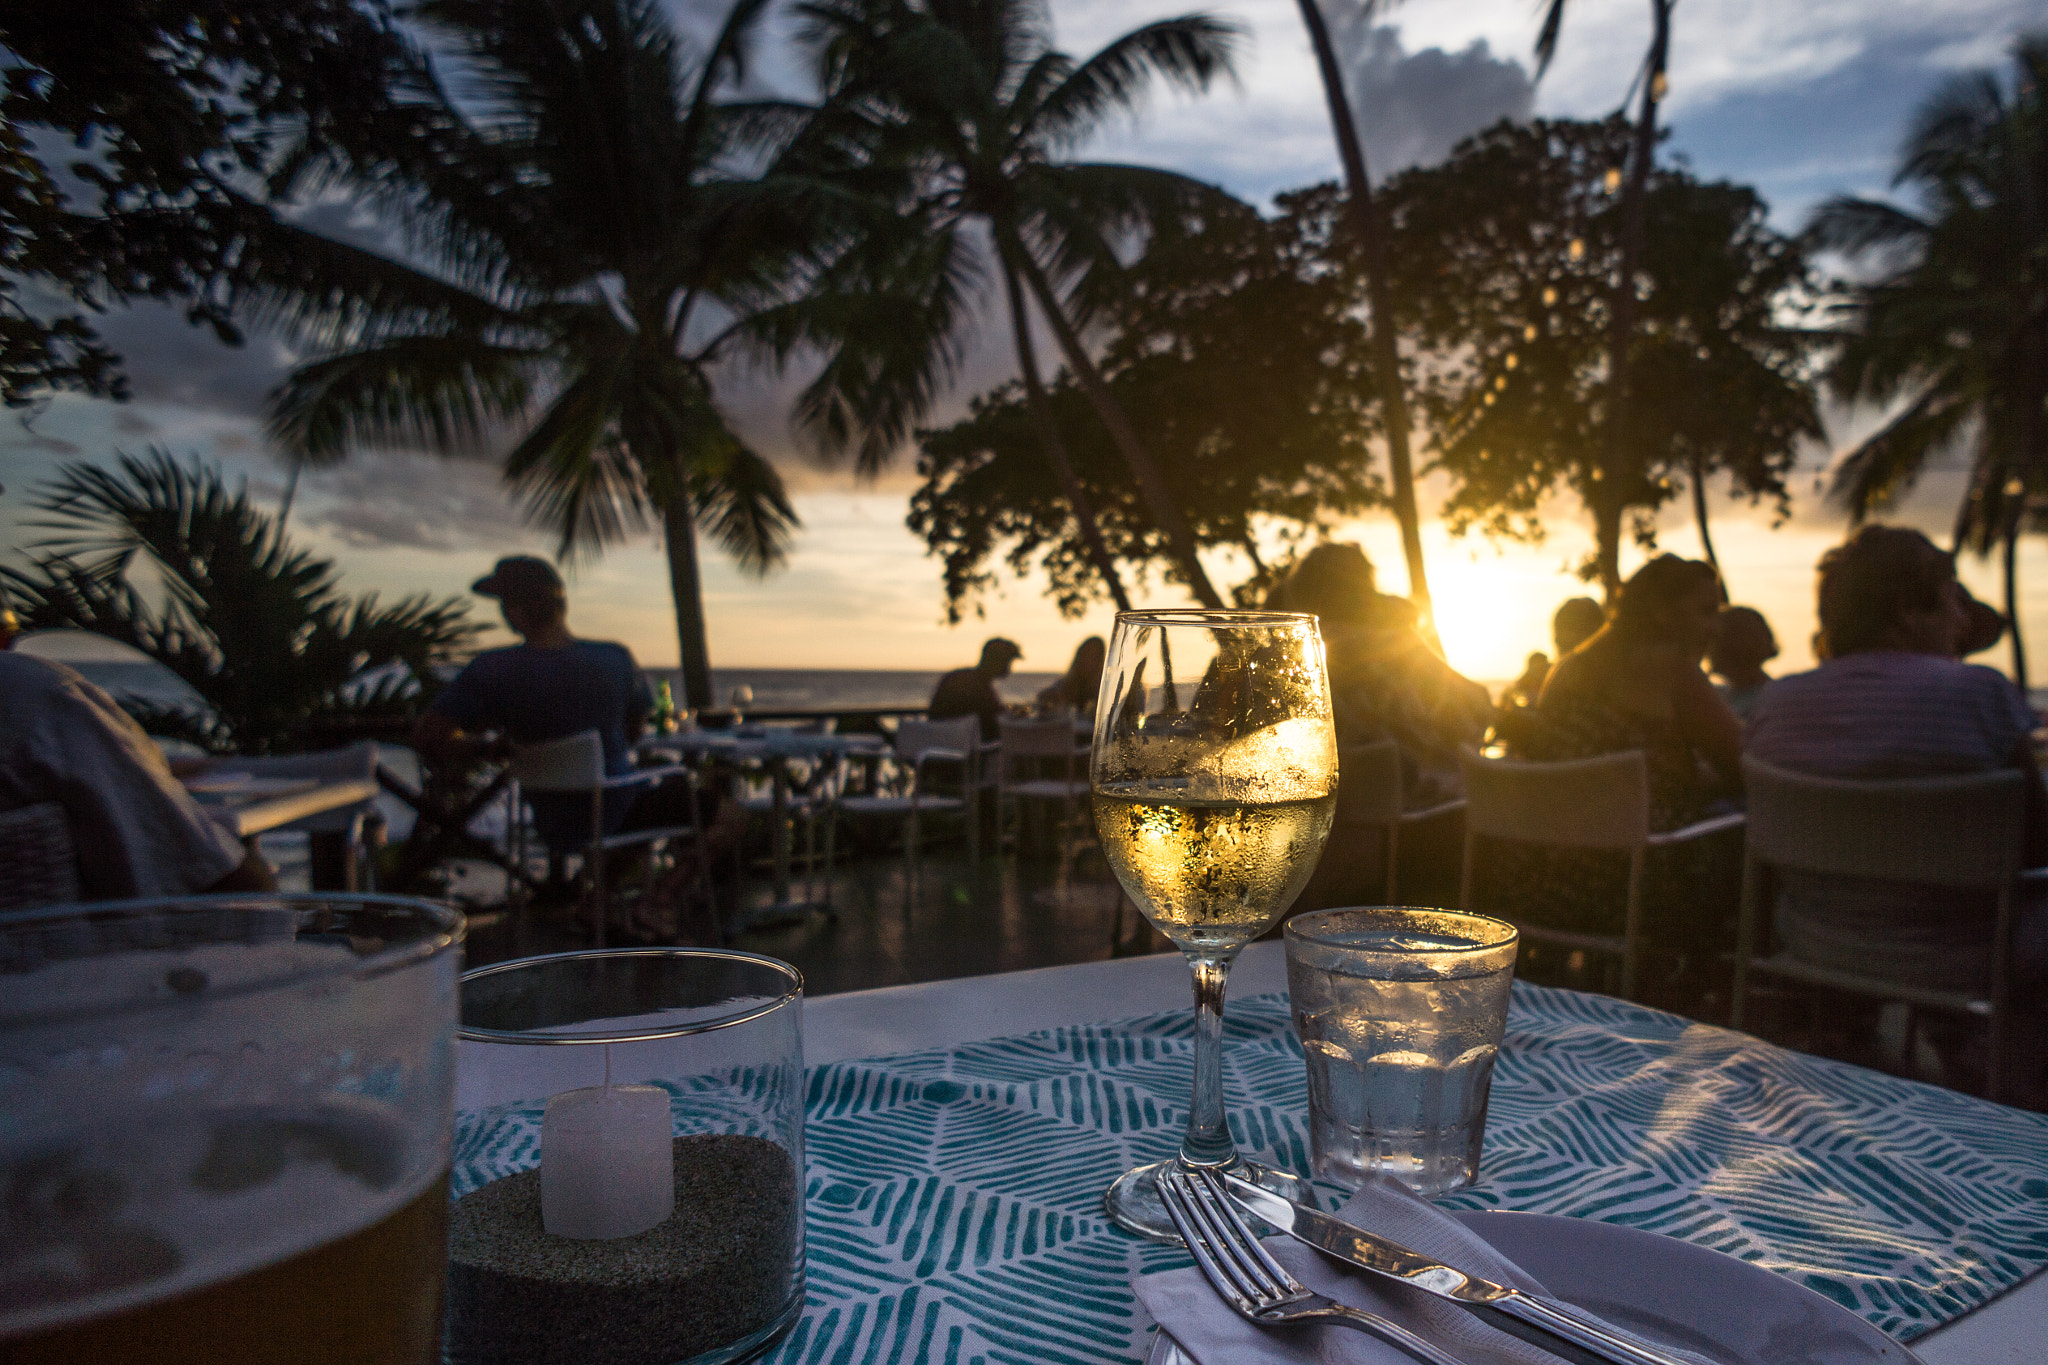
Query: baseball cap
(519, 576)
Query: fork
(1257, 1287)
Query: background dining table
(771, 749)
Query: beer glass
(1214, 780)
(224, 1129)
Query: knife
(1555, 1327)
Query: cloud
(383, 499)
(1413, 108)
(172, 363)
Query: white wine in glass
(1214, 780)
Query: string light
(1512, 360)
(1577, 250)
(1549, 297)
(1529, 332)
(1613, 179)
(1660, 87)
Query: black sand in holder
(722, 1267)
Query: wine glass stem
(1208, 1141)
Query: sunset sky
(1801, 100)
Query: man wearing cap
(548, 687)
(972, 691)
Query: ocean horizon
(775, 689)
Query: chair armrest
(647, 777)
(942, 755)
(1409, 817)
(1700, 829)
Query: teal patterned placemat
(955, 1195)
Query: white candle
(607, 1168)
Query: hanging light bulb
(1529, 332)
(1577, 250)
(1613, 179)
(1500, 382)
(1549, 297)
(1512, 360)
(1660, 87)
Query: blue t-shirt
(535, 694)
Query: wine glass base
(1134, 1204)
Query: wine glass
(1215, 780)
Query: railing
(863, 720)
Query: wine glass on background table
(1215, 779)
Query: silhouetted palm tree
(1365, 221)
(593, 235)
(969, 102)
(1956, 323)
(1633, 184)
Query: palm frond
(1547, 35)
(573, 471)
(433, 391)
(742, 503)
(1188, 52)
(1853, 226)
(328, 294)
(725, 64)
(1888, 463)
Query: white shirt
(136, 831)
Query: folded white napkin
(1207, 1330)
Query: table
(259, 805)
(772, 750)
(2009, 1330)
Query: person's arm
(1706, 720)
(990, 710)
(639, 699)
(434, 736)
(252, 874)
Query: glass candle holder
(629, 1158)
(224, 1129)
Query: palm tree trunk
(1615, 442)
(2012, 600)
(686, 586)
(1056, 450)
(1386, 359)
(1699, 512)
(1607, 548)
(1166, 511)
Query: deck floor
(961, 918)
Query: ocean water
(775, 689)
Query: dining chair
(1030, 746)
(908, 793)
(1583, 803)
(1962, 833)
(38, 865)
(574, 766)
(1371, 795)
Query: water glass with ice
(1400, 1013)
